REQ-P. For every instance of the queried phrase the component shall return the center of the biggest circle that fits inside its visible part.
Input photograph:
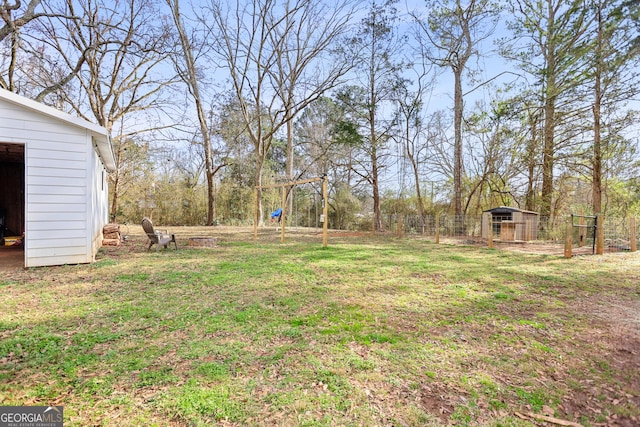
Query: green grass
(382, 332)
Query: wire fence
(618, 234)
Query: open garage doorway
(12, 188)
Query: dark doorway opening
(12, 204)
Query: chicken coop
(509, 224)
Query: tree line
(445, 106)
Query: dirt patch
(613, 338)
(11, 258)
(617, 334)
(439, 400)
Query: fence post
(568, 240)
(325, 210)
(490, 234)
(437, 228)
(283, 218)
(581, 230)
(632, 236)
(599, 234)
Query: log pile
(111, 235)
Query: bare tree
(16, 16)
(612, 68)
(412, 137)
(549, 44)
(493, 157)
(114, 50)
(378, 75)
(455, 30)
(271, 53)
(185, 62)
(11, 22)
(531, 124)
(324, 145)
(437, 155)
(305, 43)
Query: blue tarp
(276, 213)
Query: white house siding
(99, 200)
(65, 200)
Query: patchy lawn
(377, 331)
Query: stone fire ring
(203, 242)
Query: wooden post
(490, 234)
(282, 214)
(581, 230)
(632, 235)
(600, 234)
(437, 228)
(325, 210)
(284, 201)
(568, 238)
(400, 226)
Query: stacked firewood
(111, 235)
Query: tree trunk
(289, 166)
(115, 176)
(191, 79)
(377, 215)
(211, 201)
(457, 147)
(530, 199)
(597, 158)
(114, 197)
(550, 92)
(597, 137)
(548, 154)
(258, 202)
(416, 176)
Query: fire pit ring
(203, 242)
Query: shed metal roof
(507, 209)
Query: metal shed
(510, 224)
(53, 169)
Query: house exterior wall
(64, 212)
(99, 192)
